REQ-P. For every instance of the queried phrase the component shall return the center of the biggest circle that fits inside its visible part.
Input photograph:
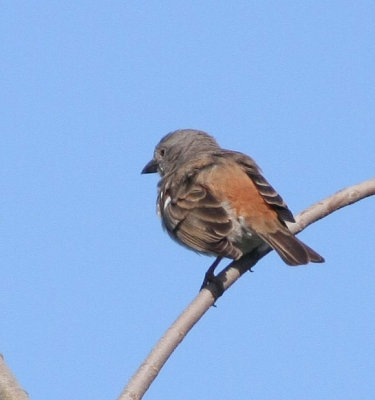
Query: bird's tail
(292, 250)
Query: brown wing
(195, 218)
(240, 182)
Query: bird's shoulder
(185, 181)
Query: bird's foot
(211, 281)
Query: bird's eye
(162, 152)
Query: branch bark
(152, 365)
(9, 387)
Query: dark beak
(150, 168)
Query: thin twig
(152, 365)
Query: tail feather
(292, 250)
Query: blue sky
(89, 281)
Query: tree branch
(9, 387)
(152, 365)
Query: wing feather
(195, 218)
(268, 193)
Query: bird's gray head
(178, 147)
